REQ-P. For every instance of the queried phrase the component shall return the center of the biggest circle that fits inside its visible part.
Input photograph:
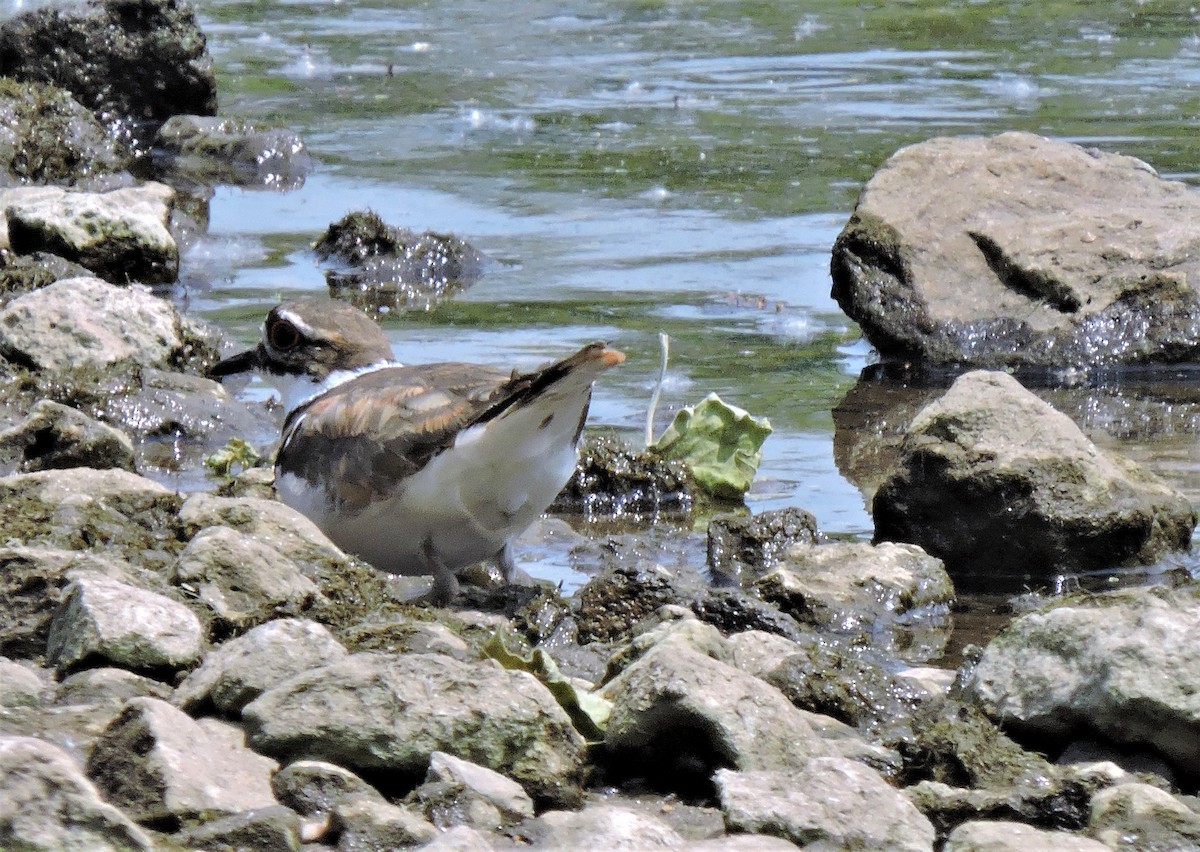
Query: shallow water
(645, 166)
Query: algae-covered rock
(58, 436)
(614, 480)
(382, 266)
(992, 480)
(209, 150)
(47, 137)
(1111, 666)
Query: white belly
(467, 502)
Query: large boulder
(1115, 666)
(134, 63)
(1021, 250)
(374, 711)
(991, 479)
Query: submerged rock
(742, 548)
(1020, 250)
(382, 266)
(134, 63)
(1110, 665)
(121, 235)
(210, 150)
(992, 480)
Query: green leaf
(721, 443)
(588, 711)
(237, 455)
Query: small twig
(664, 345)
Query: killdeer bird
(422, 469)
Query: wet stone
(314, 787)
(614, 480)
(742, 548)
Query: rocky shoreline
(204, 670)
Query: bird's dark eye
(283, 335)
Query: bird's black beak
(243, 362)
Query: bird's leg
(507, 562)
(445, 581)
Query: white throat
(294, 391)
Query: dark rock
(21, 273)
(742, 548)
(134, 63)
(384, 267)
(209, 150)
(608, 607)
(613, 480)
(991, 479)
(1019, 250)
(314, 787)
(51, 139)
(269, 829)
(57, 436)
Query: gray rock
(1135, 817)
(1020, 250)
(101, 619)
(32, 580)
(269, 522)
(108, 686)
(1005, 836)
(87, 322)
(242, 580)
(20, 686)
(366, 825)
(207, 149)
(743, 548)
(241, 669)
(459, 838)
(742, 843)
(58, 436)
(828, 800)
(377, 711)
(157, 763)
(134, 65)
(122, 235)
(270, 829)
(852, 585)
(46, 803)
(990, 477)
(678, 715)
(608, 827)
(1044, 799)
(314, 787)
(458, 792)
(758, 653)
(1110, 666)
